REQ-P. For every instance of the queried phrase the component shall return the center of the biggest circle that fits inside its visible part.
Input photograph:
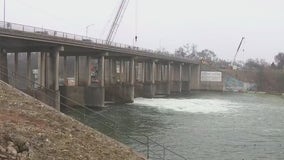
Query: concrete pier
(29, 71)
(100, 72)
(149, 87)
(195, 78)
(3, 65)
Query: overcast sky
(217, 25)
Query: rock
(2, 149)
(12, 150)
(3, 156)
(20, 142)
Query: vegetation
(268, 77)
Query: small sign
(209, 76)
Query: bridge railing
(141, 143)
(84, 39)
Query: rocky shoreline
(31, 130)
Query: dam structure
(101, 71)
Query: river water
(209, 125)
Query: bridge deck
(19, 37)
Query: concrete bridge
(102, 72)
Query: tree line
(209, 57)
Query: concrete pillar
(136, 70)
(83, 70)
(65, 69)
(88, 71)
(152, 76)
(143, 71)
(110, 71)
(131, 79)
(132, 71)
(42, 70)
(169, 78)
(102, 71)
(180, 78)
(189, 77)
(29, 70)
(149, 84)
(100, 94)
(16, 62)
(76, 71)
(121, 71)
(53, 75)
(3, 66)
(114, 72)
(195, 77)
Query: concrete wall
(175, 86)
(149, 90)
(120, 93)
(212, 86)
(161, 88)
(89, 96)
(195, 77)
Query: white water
(188, 105)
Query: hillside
(30, 130)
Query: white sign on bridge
(209, 76)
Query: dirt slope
(33, 131)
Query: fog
(216, 25)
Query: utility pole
(87, 27)
(4, 13)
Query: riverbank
(31, 130)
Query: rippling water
(208, 125)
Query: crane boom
(117, 20)
(238, 50)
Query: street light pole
(4, 13)
(87, 27)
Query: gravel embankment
(30, 130)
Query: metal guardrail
(144, 144)
(85, 39)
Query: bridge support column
(76, 71)
(122, 90)
(149, 86)
(195, 77)
(160, 81)
(82, 71)
(42, 69)
(100, 90)
(189, 78)
(180, 78)
(143, 71)
(114, 72)
(131, 79)
(65, 69)
(88, 71)
(3, 66)
(16, 65)
(169, 78)
(110, 67)
(29, 71)
(52, 78)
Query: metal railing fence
(84, 39)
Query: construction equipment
(117, 21)
(234, 61)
